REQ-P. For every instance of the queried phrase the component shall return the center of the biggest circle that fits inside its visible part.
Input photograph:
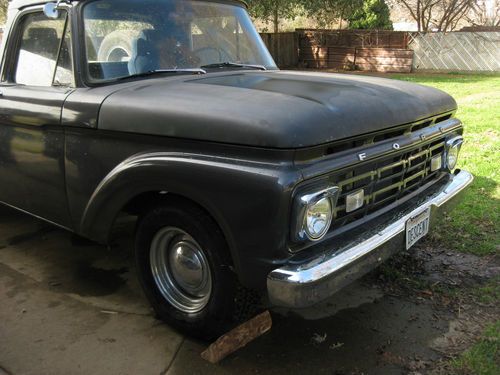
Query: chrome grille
(386, 181)
(373, 138)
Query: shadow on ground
(70, 307)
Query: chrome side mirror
(50, 10)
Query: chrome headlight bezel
(453, 145)
(302, 205)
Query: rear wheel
(185, 269)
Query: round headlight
(453, 153)
(453, 147)
(318, 218)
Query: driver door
(37, 78)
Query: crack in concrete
(14, 273)
(173, 358)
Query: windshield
(132, 37)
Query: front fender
(249, 200)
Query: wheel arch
(138, 183)
(248, 200)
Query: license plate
(417, 227)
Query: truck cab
(243, 178)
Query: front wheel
(185, 269)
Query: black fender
(249, 200)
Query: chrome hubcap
(181, 270)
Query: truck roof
(17, 4)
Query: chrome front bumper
(303, 285)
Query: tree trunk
(419, 23)
(276, 20)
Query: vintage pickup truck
(242, 177)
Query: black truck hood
(269, 109)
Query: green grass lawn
(473, 226)
(483, 358)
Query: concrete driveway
(76, 308)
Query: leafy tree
(3, 11)
(441, 15)
(374, 14)
(326, 12)
(484, 13)
(274, 10)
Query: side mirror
(50, 10)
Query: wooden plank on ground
(238, 338)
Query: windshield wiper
(233, 65)
(164, 71)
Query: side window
(64, 73)
(40, 48)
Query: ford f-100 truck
(242, 177)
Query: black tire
(217, 317)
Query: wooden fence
(353, 38)
(370, 50)
(386, 51)
(284, 48)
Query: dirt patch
(411, 316)
(463, 288)
(456, 269)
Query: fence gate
(456, 51)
